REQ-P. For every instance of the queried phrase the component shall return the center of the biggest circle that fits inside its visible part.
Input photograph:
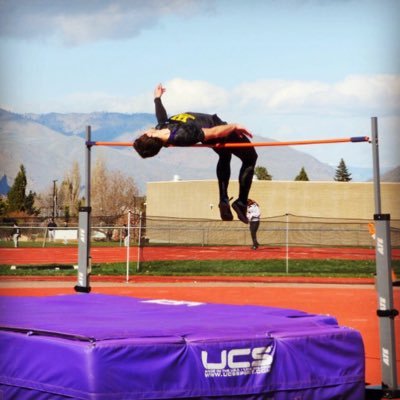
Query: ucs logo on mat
(236, 362)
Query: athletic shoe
(241, 210)
(255, 247)
(225, 211)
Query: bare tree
(69, 191)
(44, 201)
(66, 195)
(112, 192)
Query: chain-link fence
(35, 230)
(292, 230)
(286, 229)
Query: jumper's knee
(250, 159)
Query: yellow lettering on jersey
(182, 117)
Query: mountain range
(48, 144)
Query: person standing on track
(190, 128)
(253, 215)
(51, 227)
(125, 235)
(16, 234)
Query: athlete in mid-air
(190, 128)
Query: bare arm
(161, 113)
(221, 131)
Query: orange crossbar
(256, 144)
(114, 144)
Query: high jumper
(190, 128)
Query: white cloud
(200, 96)
(355, 95)
(77, 21)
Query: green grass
(316, 268)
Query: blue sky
(289, 69)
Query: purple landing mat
(99, 347)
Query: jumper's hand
(242, 131)
(159, 90)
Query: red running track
(69, 255)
